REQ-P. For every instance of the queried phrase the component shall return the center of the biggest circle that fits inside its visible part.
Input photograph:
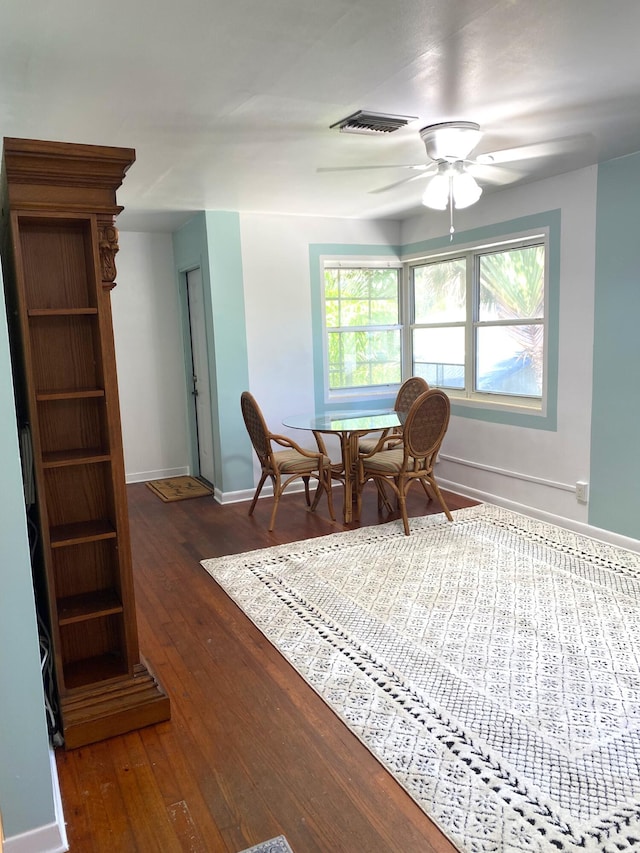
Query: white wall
(560, 457)
(150, 358)
(275, 263)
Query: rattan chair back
(256, 426)
(426, 425)
(409, 392)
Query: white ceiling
(229, 103)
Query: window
(473, 321)
(362, 321)
(479, 323)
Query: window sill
(497, 403)
(367, 399)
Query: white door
(200, 388)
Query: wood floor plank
(186, 830)
(143, 804)
(251, 751)
(98, 816)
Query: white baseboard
(50, 838)
(247, 494)
(233, 497)
(143, 476)
(560, 521)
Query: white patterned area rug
(491, 664)
(274, 845)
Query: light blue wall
(615, 421)
(211, 241)
(26, 790)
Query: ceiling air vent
(364, 122)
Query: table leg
(349, 449)
(347, 462)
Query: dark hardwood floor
(251, 751)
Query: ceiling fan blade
(492, 174)
(424, 174)
(418, 167)
(528, 152)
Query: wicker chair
(413, 460)
(409, 391)
(293, 463)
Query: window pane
(366, 283)
(438, 356)
(361, 297)
(439, 292)
(512, 284)
(354, 312)
(364, 358)
(510, 359)
(331, 284)
(332, 313)
(384, 312)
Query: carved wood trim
(108, 246)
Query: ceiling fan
(453, 173)
(451, 183)
(449, 145)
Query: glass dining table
(348, 426)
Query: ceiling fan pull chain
(451, 228)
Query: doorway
(199, 383)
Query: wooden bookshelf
(59, 247)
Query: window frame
(389, 251)
(471, 253)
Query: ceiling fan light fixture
(451, 140)
(436, 194)
(451, 187)
(466, 190)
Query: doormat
(274, 845)
(179, 488)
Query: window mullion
(473, 290)
(406, 320)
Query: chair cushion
(366, 445)
(385, 462)
(292, 462)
